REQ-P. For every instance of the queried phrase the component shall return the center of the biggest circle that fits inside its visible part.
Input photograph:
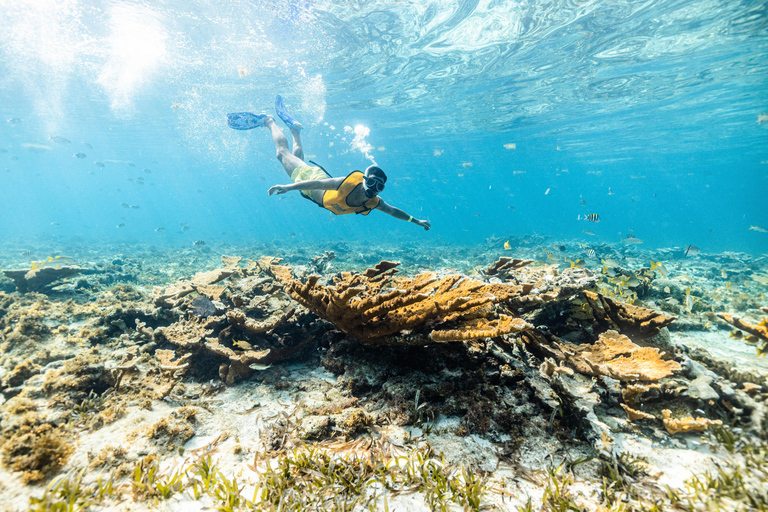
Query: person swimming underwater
(358, 192)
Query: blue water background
(656, 101)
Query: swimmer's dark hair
(376, 171)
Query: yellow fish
(722, 273)
(242, 345)
(736, 335)
(507, 246)
(578, 264)
(660, 267)
(728, 286)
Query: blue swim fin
(245, 120)
(283, 114)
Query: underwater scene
(458, 255)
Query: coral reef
(504, 265)
(612, 314)
(612, 355)
(372, 309)
(677, 425)
(35, 280)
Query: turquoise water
(649, 112)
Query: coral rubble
(677, 425)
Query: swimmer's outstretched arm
(327, 184)
(400, 214)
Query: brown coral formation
(238, 320)
(677, 425)
(33, 280)
(504, 265)
(613, 314)
(612, 355)
(188, 333)
(372, 309)
(760, 329)
(634, 415)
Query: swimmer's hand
(280, 189)
(423, 223)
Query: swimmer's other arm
(329, 184)
(400, 214)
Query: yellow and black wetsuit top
(336, 200)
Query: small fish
(176, 105)
(259, 367)
(437, 152)
(723, 274)
(507, 246)
(583, 202)
(691, 250)
(26, 253)
(667, 289)
(466, 164)
(660, 267)
(56, 224)
(87, 145)
(587, 232)
(80, 155)
(148, 171)
(590, 253)
(292, 234)
(631, 282)
(610, 192)
(198, 242)
(121, 225)
(763, 280)
(13, 120)
(728, 286)
(759, 229)
(737, 335)
(515, 173)
(762, 118)
(161, 229)
(610, 272)
(547, 191)
(632, 240)
(242, 345)
(125, 205)
(511, 208)
(59, 140)
(578, 264)
(185, 228)
(592, 217)
(688, 300)
(610, 263)
(135, 206)
(36, 148)
(510, 145)
(99, 165)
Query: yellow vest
(336, 200)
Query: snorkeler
(355, 193)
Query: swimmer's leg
(298, 152)
(288, 159)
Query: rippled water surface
(491, 118)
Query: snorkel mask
(372, 184)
